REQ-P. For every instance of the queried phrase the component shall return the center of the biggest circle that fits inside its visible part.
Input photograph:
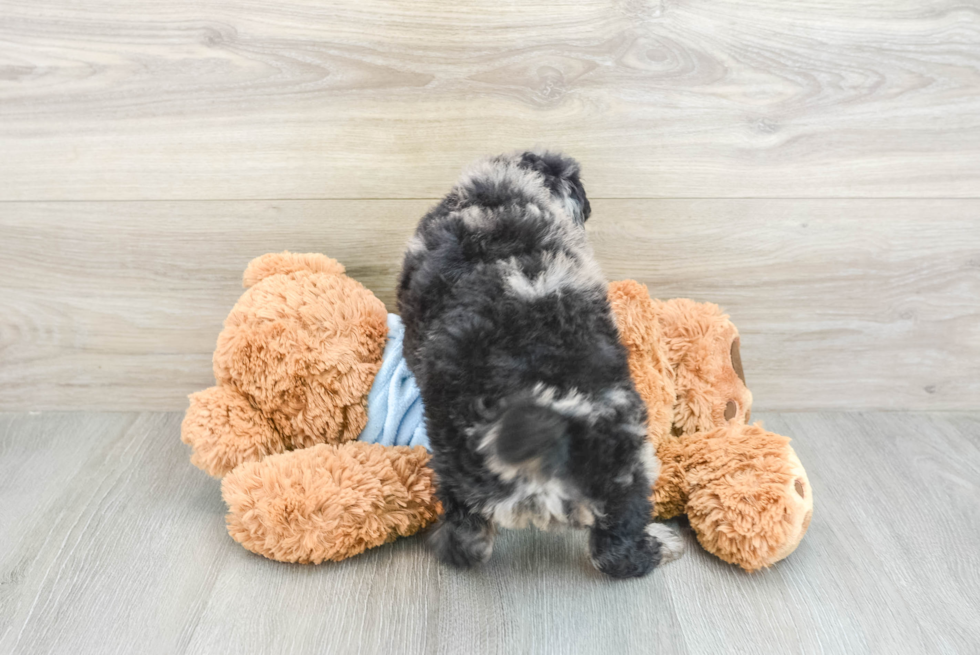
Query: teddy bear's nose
(799, 487)
(731, 408)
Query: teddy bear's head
(294, 364)
(743, 489)
(703, 347)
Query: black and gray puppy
(531, 411)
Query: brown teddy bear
(742, 488)
(308, 477)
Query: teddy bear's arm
(223, 430)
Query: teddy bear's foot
(329, 502)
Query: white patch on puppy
(562, 273)
(671, 543)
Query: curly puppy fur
(532, 415)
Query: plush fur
(532, 415)
(293, 364)
(745, 491)
(329, 502)
(748, 499)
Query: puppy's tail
(530, 440)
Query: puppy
(531, 412)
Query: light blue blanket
(395, 416)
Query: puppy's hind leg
(462, 538)
(624, 543)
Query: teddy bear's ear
(288, 262)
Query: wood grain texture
(841, 303)
(124, 99)
(114, 543)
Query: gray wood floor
(110, 542)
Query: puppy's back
(500, 294)
(510, 230)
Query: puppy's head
(563, 177)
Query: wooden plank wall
(813, 167)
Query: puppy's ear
(563, 177)
(579, 200)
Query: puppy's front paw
(462, 545)
(634, 556)
(671, 543)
